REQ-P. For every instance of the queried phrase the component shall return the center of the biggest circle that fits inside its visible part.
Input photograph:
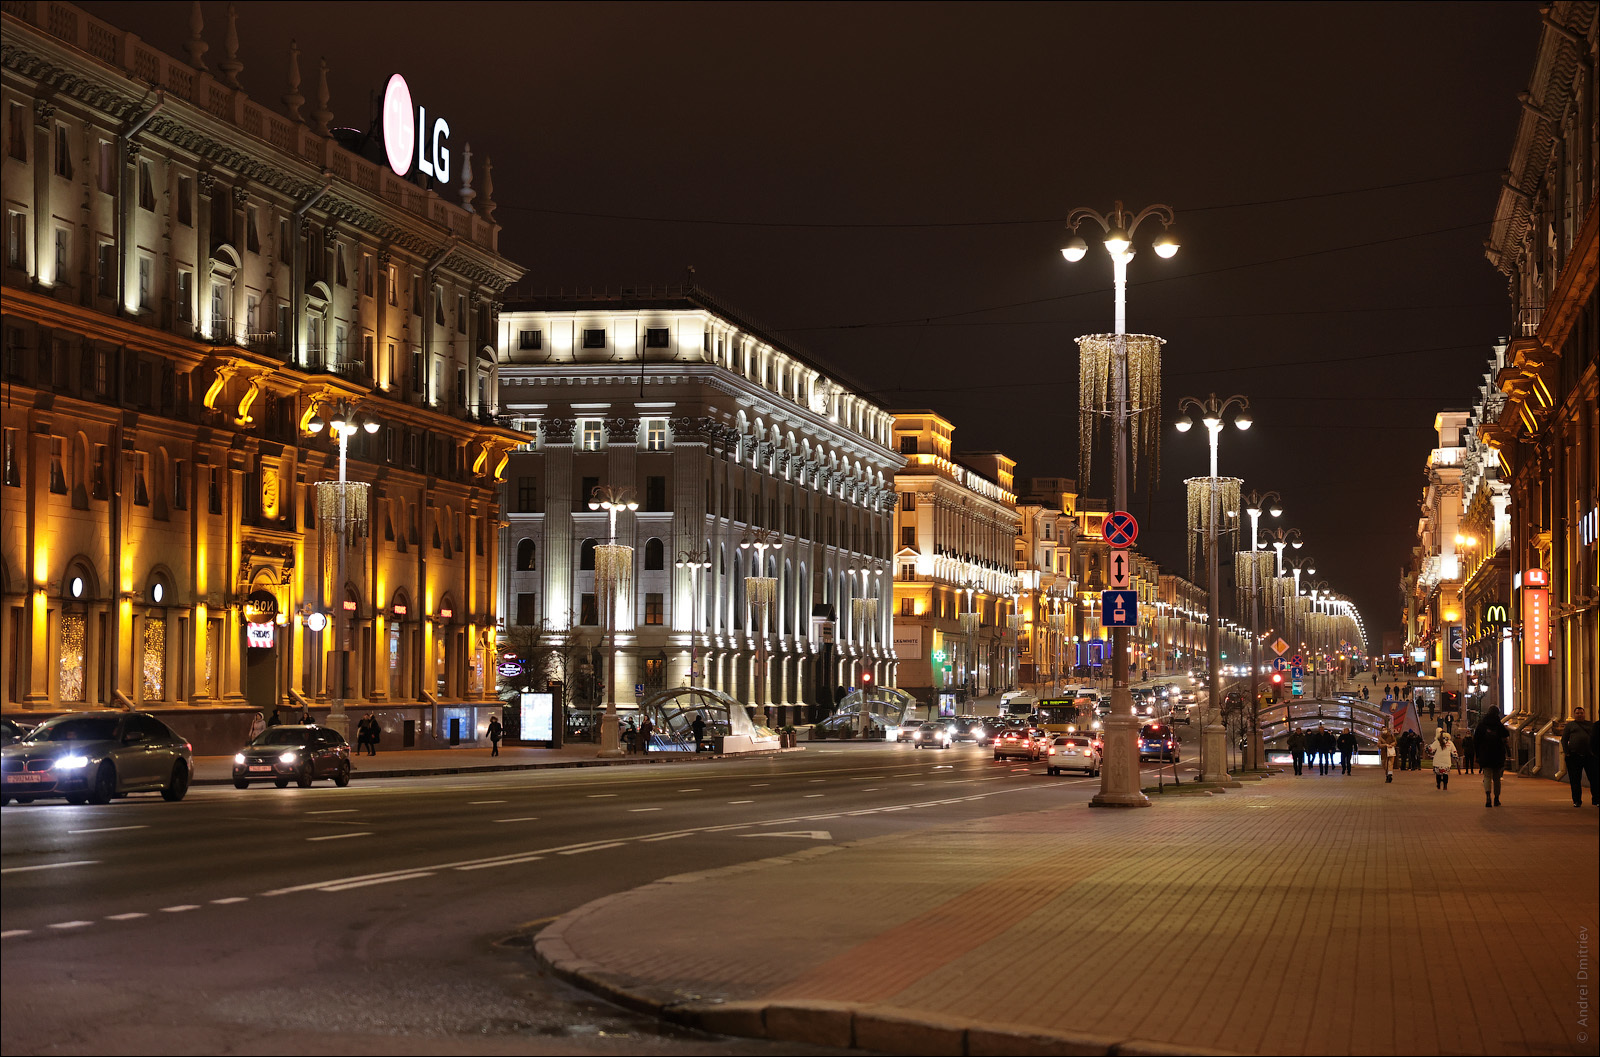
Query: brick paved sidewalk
(1309, 915)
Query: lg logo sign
(407, 138)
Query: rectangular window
(180, 484)
(20, 129)
(656, 338)
(141, 480)
(63, 151)
(186, 296)
(593, 431)
(394, 286)
(528, 495)
(214, 491)
(147, 187)
(530, 339)
(655, 434)
(102, 471)
(908, 571)
(285, 241)
(908, 537)
(366, 274)
(438, 305)
(653, 607)
(655, 493)
(368, 342)
(16, 240)
(186, 204)
(340, 342)
(63, 254)
(461, 386)
(416, 370)
(594, 339)
(340, 276)
(10, 461)
(907, 607)
(908, 445)
(908, 501)
(416, 295)
(58, 477)
(106, 177)
(252, 230)
(102, 372)
(146, 278)
(527, 609)
(588, 612)
(461, 313)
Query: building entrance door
(261, 676)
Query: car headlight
(288, 757)
(238, 757)
(72, 763)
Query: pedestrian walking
(1386, 745)
(1347, 750)
(1468, 749)
(1324, 751)
(630, 741)
(374, 730)
(496, 732)
(1444, 755)
(274, 719)
(1491, 737)
(1577, 745)
(1297, 748)
(257, 725)
(645, 728)
(698, 729)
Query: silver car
(95, 756)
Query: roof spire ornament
(488, 189)
(466, 192)
(230, 66)
(293, 101)
(196, 45)
(322, 115)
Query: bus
(1059, 715)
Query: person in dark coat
(495, 734)
(274, 719)
(1297, 748)
(698, 729)
(1468, 752)
(645, 729)
(1577, 745)
(1347, 750)
(1320, 736)
(1490, 739)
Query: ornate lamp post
(760, 590)
(696, 562)
(1254, 504)
(1119, 378)
(342, 518)
(1282, 586)
(1220, 493)
(613, 573)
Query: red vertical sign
(1536, 625)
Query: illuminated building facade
(722, 434)
(955, 578)
(1484, 547)
(193, 280)
(1433, 582)
(1047, 598)
(1544, 240)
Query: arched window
(526, 560)
(654, 554)
(586, 555)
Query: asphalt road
(394, 916)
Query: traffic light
(866, 679)
(1277, 686)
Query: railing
(1528, 319)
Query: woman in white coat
(1444, 753)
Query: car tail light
(1052, 750)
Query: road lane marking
(741, 801)
(528, 818)
(132, 916)
(814, 781)
(869, 789)
(71, 924)
(475, 803)
(664, 836)
(341, 836)
(502, 862)
(593, 847)
(180, 908)
(335, 811)
(13, 933)
(760, 785)
(50, 866)
(379, 881)
(107, 829)
(813, 796)
(231, 899)
(696, 789)
(636, 810)
(601, 796)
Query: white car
(1072, 752)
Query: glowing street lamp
(613, 572)
(697, 563)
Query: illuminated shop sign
(1535, 625)
(410, 142)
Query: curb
(843, 1025)
(357, 774)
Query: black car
(303, 752)
(95, 756)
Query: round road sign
(1121, 529)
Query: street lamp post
(613, 571)
(1119, 774)
(760, 590)
(1213, 412)
(1254, 504)
(695, 561)
(342, 514)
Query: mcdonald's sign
(1495, 616)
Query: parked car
(936, 735)
(1073, 752)
(301, 751)
(1019, 743)
(95, 756)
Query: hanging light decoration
(1243, 578)
(342, 521)
(1097, 398)
(1201, 506)
(613, 570)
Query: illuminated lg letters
(409, 147)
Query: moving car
(909, 728)
(971, 728)
(1072, 752)
(936, 735)
(95, 756)
(1157, 741)
(301, 751)
(1021, 743)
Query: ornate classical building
(955, 565)
(1432, 584)
(1547, 438)
(195, 281)
(1485, 551)
(746, 460)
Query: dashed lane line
(813, 796)
(741, 801)
(416, 875)
(593, 847)
(50, 866)
(602, 796)
(475, 803)
(342, 836)
(637, 810)
(181, 908)
(107, 829)
(13, 933)
(231, 899)
(133, 915)
(335, 811)
(528, 818)
(71, 924)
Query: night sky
(885, 186)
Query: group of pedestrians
(1319, 746)
(636, 736)
(367, 734)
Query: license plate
(1072, 752)
(262, 767)
(31, 776)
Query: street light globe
(1117, 241)
(1276, 511)
(370, 425)
(593, 505)
(315, 425)
(1166, 243)
(1075, 248)
(632, 505)
(1184, 424)
(1243, 420)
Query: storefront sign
(410, 142)
(509, 669)
(538, 717)
(259, 636)
(1454, 637)
(1535, 625)
(908, 642)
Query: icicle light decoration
(342, 521)
(969, 624)
(1058, 622)
(1281, 603)
(1200, 507)
(864, 610)
(1241, 577)
(760, 591)
(613, 571)
(1097, 399)
(1016, 621)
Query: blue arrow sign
(1119, 609)
(1297, 673)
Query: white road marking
(378, 881)
(802, 834)
(180, 908)
(342, 836)
(601, 796)
(741, 801)
(107, 829)
(502, 862)
(696, 789)
(814, 781)
(636, 810)
(49, 866)
(760, 785)
(133, 916)
(593, 847)
(664, 836)
(231, 899)
(529, 818)
(335, 811)
(869, 789)
(865, 777)
(13, 933)
(71, 924)
(813, 796)
(475, 803)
